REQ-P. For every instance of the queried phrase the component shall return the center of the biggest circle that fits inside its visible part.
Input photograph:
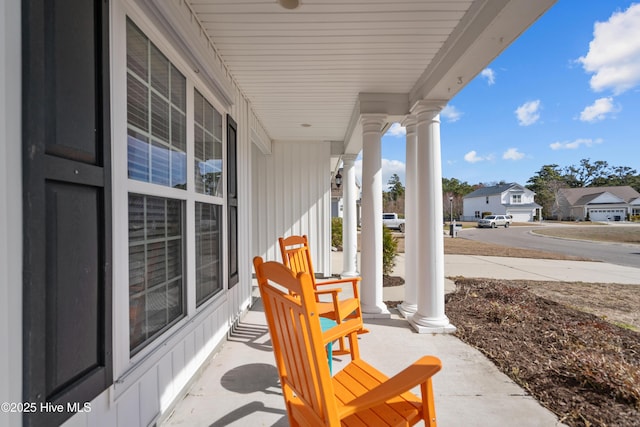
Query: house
(151, 148)
(597, 203)
(502, 199)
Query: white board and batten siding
(291, 195)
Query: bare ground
(574, 346)
(584, 369)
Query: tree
(622, 175)
(546, 183)
(396, 189)
(452, 192)
(550, 178)
(393, 199)
(587, 174)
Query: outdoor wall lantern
(338, 180)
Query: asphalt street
(522, 237)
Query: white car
(494, 221)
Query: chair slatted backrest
(296, 335)
(297, 256)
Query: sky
(567, 89)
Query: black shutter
(232, 199)
(67, 206)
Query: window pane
(178, 130)
(137, 51)
(156, 266)
(174, 300)
(156, 97)
(208, 147)
(137, 103)
(159, 72)
(159, 118)
(137, 320)
(208, 251)
(160, 164)
(156, 310)
(138, 156)
(178, 169)
(178, 89)
(136, 269)
(198, 107)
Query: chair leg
(342, 348)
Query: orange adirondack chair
(358, 395)
(296, 255)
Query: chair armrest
(335, 291)
(419, 372)
(353, 280)
(334, 297)
(341, 330)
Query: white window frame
(125, 372)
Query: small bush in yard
(389, 251)
(336, 232)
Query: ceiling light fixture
(289, 4)
(305, 125)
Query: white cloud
(528, 113)
(572, 145)
(389, 167)
(599, 110)
(614, 52)
(472, 157)
(396, 129)
(451, 113)
(512, 154)
(490, 75)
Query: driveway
(522, 237)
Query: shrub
(389, 251)
(336, 232)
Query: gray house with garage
(597, 203)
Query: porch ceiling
(307, 66)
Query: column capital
(349, 158)
(409, 123)
(372, 122)
(431, 107)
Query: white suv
(494, 221)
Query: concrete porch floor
(239, 387)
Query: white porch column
(410, 303)
(371, 236)
(430, 316)
(349, 217)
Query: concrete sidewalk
(240, 385)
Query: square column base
(421, 329)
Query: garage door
(520, 216)
(607, 214)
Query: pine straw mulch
(583, 368)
